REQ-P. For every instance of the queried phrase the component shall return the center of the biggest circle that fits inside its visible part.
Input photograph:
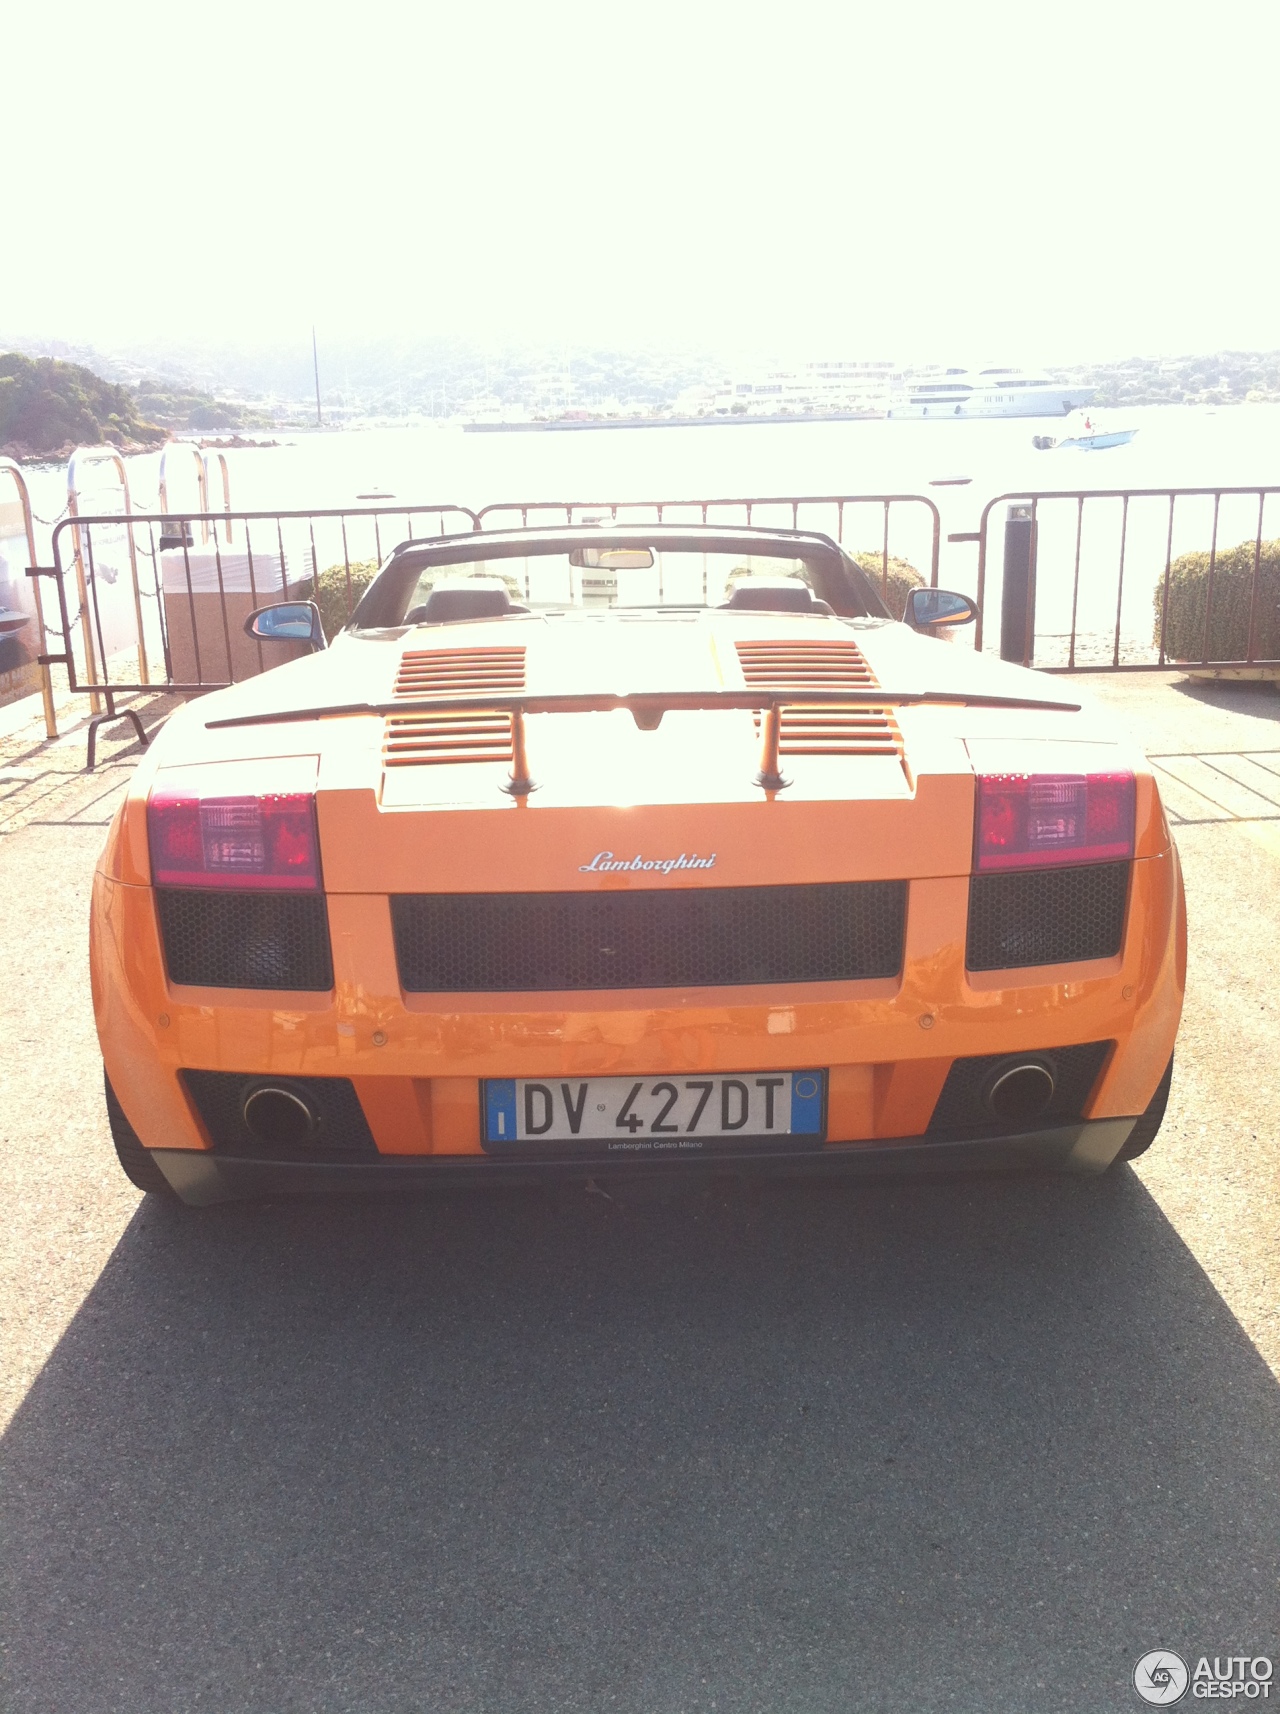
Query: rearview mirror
(287, 622)
(935, 611)
(611, 559)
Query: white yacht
(988, 393)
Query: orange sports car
(624, 849)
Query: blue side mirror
(287, 622)
(936, 610)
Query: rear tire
(136, 1162)
(1143, 1133)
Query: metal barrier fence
(1134, 580)
(144, 606)
(1089, 580)
(176, 623)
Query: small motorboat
(1087, 431)
(11, 620)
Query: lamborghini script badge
(606, 860)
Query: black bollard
(1018, 595)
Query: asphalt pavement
(971, 1445)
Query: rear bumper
(201, 1177)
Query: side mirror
(934, 612)
(287, 622)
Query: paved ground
(972, 1446)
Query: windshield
(554, 581)
(425, 588)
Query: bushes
(331, 592)
(903, 578)
(1229, 619)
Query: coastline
(565, 425)
(21, 453)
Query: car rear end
(337, 955)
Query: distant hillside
(1221, 378)
(48, 408)
(188, 410)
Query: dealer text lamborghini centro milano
(628, 849)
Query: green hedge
(903, 578)
(1229, 620)
(331, 592)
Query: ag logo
(1161, 1677)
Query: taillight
(207, 838)
(1032, 821)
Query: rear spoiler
(647, 708)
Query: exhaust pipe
(279, 1116)
(1021, 1091)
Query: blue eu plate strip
(500, 1110)
(806, 1103)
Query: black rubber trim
(200, 1177)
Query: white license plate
(676, 1114)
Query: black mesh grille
(342, 1131)
(245, 940)
(685, 938)
(1074, 1070)
(1046, 916)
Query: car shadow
(973, 1444)
(1257, 698)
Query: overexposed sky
(967, 180)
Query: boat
(1087, 432)
(969, 393)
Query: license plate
(676, 1115)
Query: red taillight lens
(1029, 821)
(268, 841)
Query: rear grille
(807, 664)
(1046, 916)
(245, 940)
(685, 938)
(961, 1107)
(342, 1132)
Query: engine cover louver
(460, 672)
(819, 664)
(412, 740)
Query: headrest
(782, 595)
(476, 598)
